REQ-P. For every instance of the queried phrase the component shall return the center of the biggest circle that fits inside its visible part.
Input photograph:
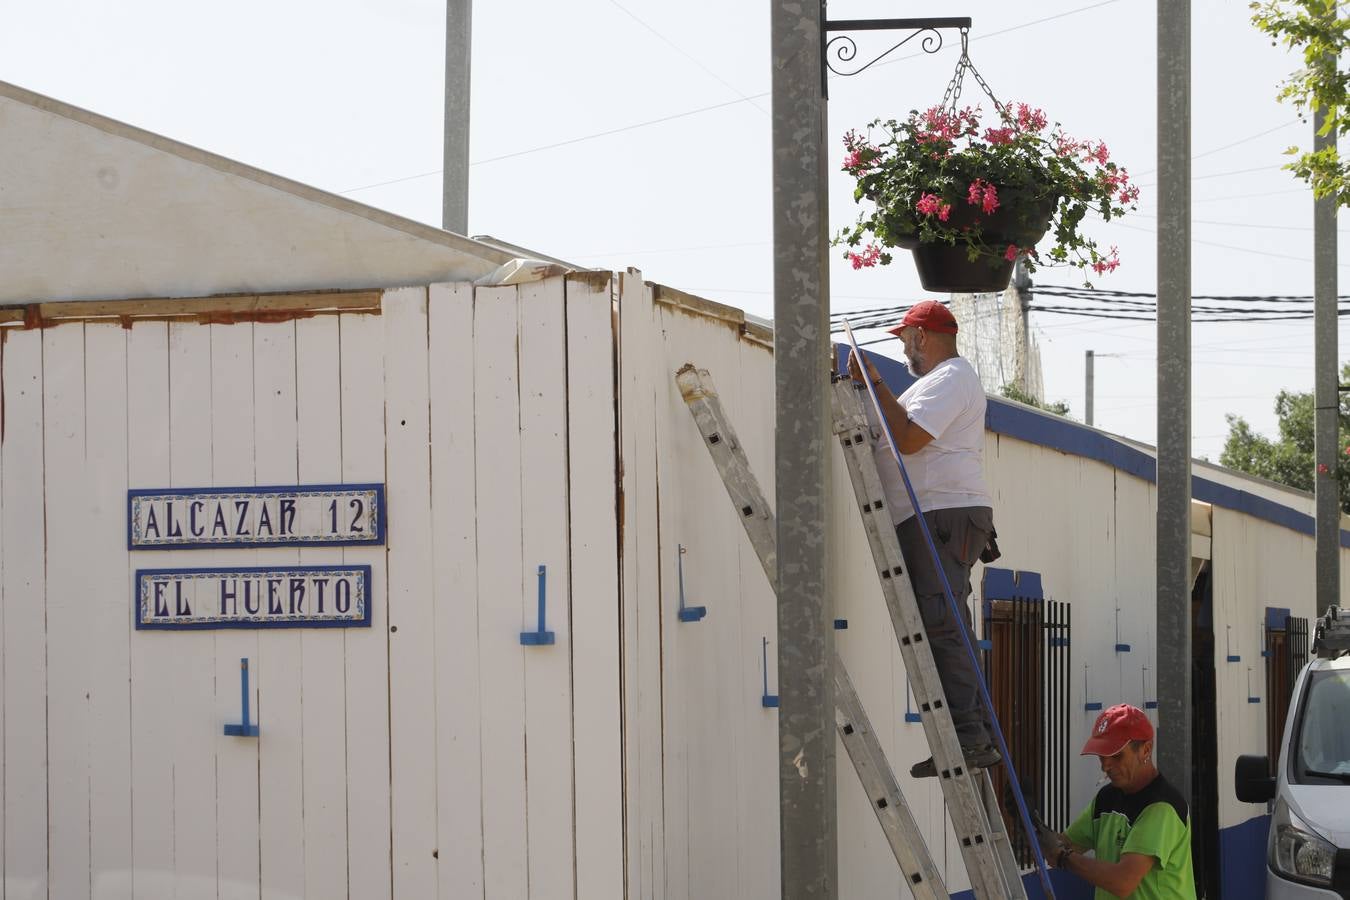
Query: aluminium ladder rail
(855, 730)
(970, 796)
(976, 820)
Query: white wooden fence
(431, 754)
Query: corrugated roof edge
(491, 255)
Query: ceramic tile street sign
(305, 516)
(253, 597)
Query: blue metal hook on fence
(768, 701)
(244, 729)
(540, 637)
(910, 714)
(687, 613)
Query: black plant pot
(948, 269)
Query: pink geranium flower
(1108, 263)
(868, 258)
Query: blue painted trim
(376, 539)
(1242, 859)
(1275, 616)
(840, 624)
(1059, 433)
(1233, 657)
(1242, 868)
(1122, 648)
(1150, 704)
(1253, 699)
(1059, 642)
(913, 717)
(1093, 705)
(1066, 887)
(363, 571)
(985, 644)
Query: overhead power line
(744, 98)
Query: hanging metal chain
(964, 65)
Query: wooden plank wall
(433, 754)
(703, 822)
(429, 755)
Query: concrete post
(802, 351)
(455, 170)
(1174, 393)
(1022, 282)
(1326, 393)
(1087, 415)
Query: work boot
(985, 757)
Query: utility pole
(1022, 282)
(802, 361)
(1173, 624)
(455, 169)
(1326, 393)
(1087, 415)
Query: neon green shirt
(1155, 822)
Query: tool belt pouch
(991, 551)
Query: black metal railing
(1027, 665)
(1286, 652)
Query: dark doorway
(1204, 797)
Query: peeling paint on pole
(801, 353)
(1174, 392)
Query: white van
(1308, 851)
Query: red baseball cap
(1115, 728)
(929, 315)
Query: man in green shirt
(1138, 827)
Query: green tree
(1316, 28)
(1013, 392)
(1289, 458)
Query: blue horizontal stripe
(1068, 436)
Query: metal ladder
(976, 820)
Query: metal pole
(1326, 383)
(455, 170)
(1174, 393)
(802, 358)
(1087, 415)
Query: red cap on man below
(1115, 728)
(929, 315)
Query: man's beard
(915, 367)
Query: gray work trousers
(960, 535)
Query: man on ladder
(938, 424)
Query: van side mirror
(1252, 780)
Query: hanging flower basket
(949, 267)
(970, 199)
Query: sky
(635, 133)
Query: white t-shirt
(948, 403)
